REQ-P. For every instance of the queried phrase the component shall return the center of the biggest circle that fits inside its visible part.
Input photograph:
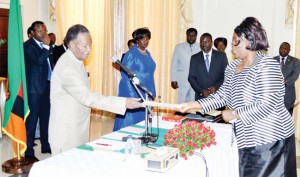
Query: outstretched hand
(184, 107)
(133, 103)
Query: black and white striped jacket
(263, 116)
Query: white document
(214, 113)
(162, 105)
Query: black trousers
(276, 159)
(39, 106)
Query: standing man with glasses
(207, 68)
(38, 65)
(290, 67)
(180, 66)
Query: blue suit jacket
(290, 73)
(200, 79)
(36, 66)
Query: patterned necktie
(41, 45)
(282, 63)
(207, 62)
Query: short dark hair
(254, 32)
(191, 30)
(220, 39)
(285, 43)
(140, 33)
(131, 41)
(29, 30)
(73, 32)
(51, 34)
(206, 35)
(36, 23)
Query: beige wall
(220, 17)
(33, 10)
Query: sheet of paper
(133, 130)
(162, 105)
(117, 135)
(214, 113)
(107, 144)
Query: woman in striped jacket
(253, 90)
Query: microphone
(129, 72)
(132, 76)
(137, 82)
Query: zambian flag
(16, 107)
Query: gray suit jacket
(200, 79)
(290, 73)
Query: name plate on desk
(162, 159)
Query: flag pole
(16, 106)
(19, 151)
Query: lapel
(288, 61)
(202, 63)
(213, 62)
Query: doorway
(3, 41)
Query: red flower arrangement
(190, 136)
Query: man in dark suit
(38, 65)
(290, 67)
(58, 51)
(207, 68)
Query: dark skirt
(277, 159)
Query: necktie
(49, 70)
(191, 46)
(41, 45)
(207, 62)
(49, 66)
(282, 63)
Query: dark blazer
(290, 73)
(200, 79)
(36, 66)
(57, 52)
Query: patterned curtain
(111, 24)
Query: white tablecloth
(222, 161)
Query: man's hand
(133, 103)
(46, 40)
(174, 84)
(212, 89)
(205, 93)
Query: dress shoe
(34, 158)
(47, 151)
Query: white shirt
(209, 57)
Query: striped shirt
(257, 94)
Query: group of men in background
(197, 70)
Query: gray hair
(73, 32)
